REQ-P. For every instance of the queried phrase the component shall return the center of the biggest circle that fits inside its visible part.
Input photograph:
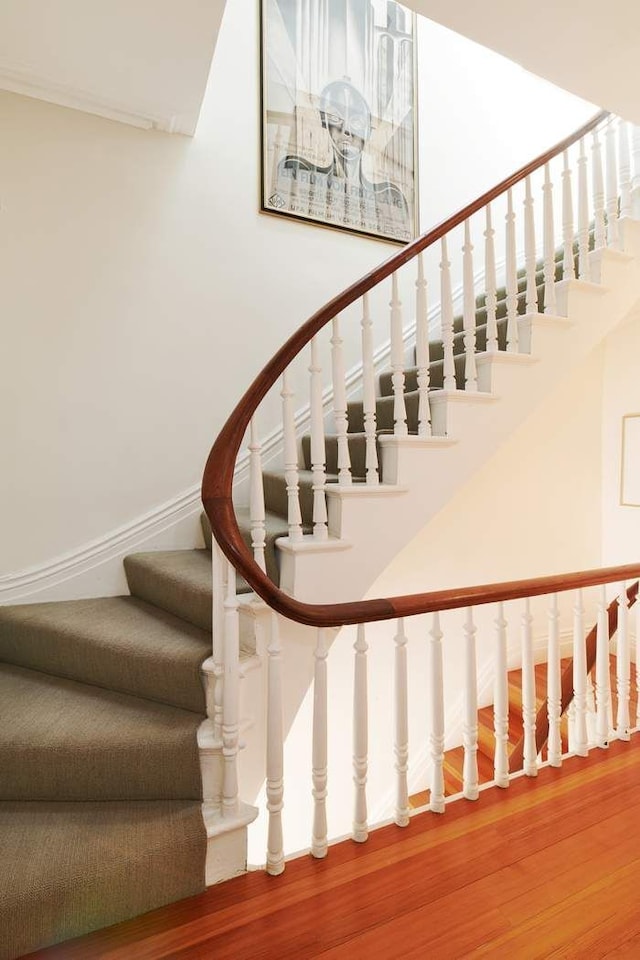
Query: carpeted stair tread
(120, 643)
(384, 413)
(178, 581)
(436, 365)
(70, 868)
(63, 740)
(357, 443)
(275, 493)
(275, 526)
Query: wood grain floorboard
(548, 868)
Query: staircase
(117, 745)
(101, 704)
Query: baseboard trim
(91, 562)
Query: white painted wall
(482, 117)
(143, 61)
(620, 523)
(142, 289)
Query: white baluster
(635, 180)
(579, 678)
(530, 764)
(571, 724)
(470, 724)
(256, 498)
(549, 245)
(469, 313)
(291, 460)
(446, 308)
(360, 737)
(531, 295)
(401, 725)
(490, 283)
(397, 362)
(637, 651)
(436, 717)
(511, 277)
(219, 593)
(275, 740)
(554, 686)
(422, 352)
(319, 748)
(369, 394)
(340, 404)
(318, 454)
(231, 698)
(501, 702)
(613, 233)
(603, 682)
(623, 666)
(592, 719)
(598, 192)
(568, 266)
(583, 215)
(625, 168)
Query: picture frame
(630, 461)
(339, 118)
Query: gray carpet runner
(100, 789)
(68, 868)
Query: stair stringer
(420, 475)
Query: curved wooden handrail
(516, 759)
(217, 484)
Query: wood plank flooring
(549, 868)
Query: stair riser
(38, 638)
(384, 414)
(357, 455)
(191, 602)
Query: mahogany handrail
(217, 483)
(516, 759)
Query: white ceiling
(147, 61)
(141, 61)
(590, 48)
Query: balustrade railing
(512, 719)
(527, 239)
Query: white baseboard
(95, 569)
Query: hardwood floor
(549, 868)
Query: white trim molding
(96, 567)
(24, 80)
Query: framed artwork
(338, 114)
(630, 461)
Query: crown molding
(23, 80)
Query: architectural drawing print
(338, 114)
